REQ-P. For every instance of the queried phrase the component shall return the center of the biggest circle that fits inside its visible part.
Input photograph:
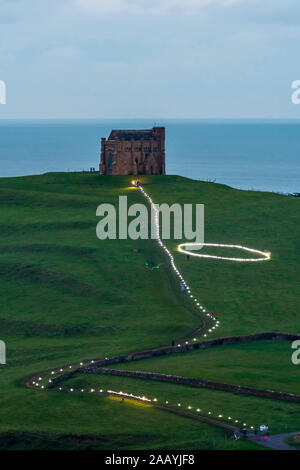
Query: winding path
(274, 442)
(51, 379)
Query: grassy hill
(66, 296)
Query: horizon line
(146, 119)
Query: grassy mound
(65, 296)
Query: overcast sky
(149, 58)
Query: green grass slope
(246, 297)
(65, 296)
(261, 364)
(280, 416)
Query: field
(261, 364)
(67, 296)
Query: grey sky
(155, 58)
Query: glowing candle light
(263, 256)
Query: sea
(245, 154)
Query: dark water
(243, 154)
